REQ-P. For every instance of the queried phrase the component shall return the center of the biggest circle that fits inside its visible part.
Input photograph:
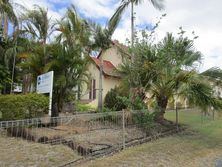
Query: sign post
(45, 85)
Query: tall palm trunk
(5, 29)
(132, 27)
(60, 101)
(162, 104)
(132, 54)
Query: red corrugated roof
(108, 68)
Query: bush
(14, 107)
(143, 117)
(115, 101)
(138, 104)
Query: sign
(45, 82)
(45, 85)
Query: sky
(201, 16)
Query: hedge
(13, 107)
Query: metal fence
(92, 134)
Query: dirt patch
(89, 136)
(17, 152)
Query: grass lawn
(199, 146)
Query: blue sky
(201, 16)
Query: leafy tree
(168, 69)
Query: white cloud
(201, 16)
(95, 8)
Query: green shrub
(115, 101)
(14, 107)
(143, 117)
(138, 104)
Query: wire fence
(91, 134)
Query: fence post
(123, 123)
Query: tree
(7, 13)
(166, 70)
(69, 70)
(4, 77)
(37, 28)
(7, 49)
(158, 4)
(37, 25)
(102, 41)
(69, 55)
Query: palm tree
(73, 30)
(37, 24)
(37, 29)
(69, 62)
(102, 41)
(7, 13)
(69, 70)
(214, 76)
(167, 70)
(158, 4)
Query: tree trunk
(5, 29)
(27, 83)
(162, 104)
(60, 100)
(132, 28)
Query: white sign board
(45, 82)
(45, 85)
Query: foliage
(214, 75)
(7, 13)
(69, 51)
(15, 107)
(37, 24)
(4, 77)
(118, 98)
(166, 70)
(115, 101)
(158, 4)
(143, 117)
(71, 76)
(83, 107)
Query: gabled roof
(108, 68)
(123, 48)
